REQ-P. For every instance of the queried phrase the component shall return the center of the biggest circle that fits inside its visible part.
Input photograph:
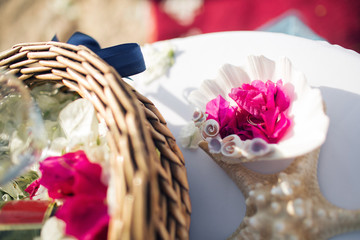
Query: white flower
(190, 136)
(78, 128)
(41, 194)
(78, 121)
(54, 229)
(158, 59)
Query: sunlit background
(113, 22)
(110, 22)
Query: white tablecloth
(218, 205)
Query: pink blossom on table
(260, 111)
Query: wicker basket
(152, 189)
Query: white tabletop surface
(218, 205)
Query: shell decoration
(283, 205)
(306, 111)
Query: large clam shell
(309, 121)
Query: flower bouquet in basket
(83, 155)
(266, 111)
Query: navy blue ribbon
(126, 58)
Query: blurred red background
(113, 22)
(336, 21)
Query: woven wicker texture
(152, 192)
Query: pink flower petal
(86, 217)
(270, 117)
(58, 175)
(87, 179)
(73, 178)
(33, 188)
(282, 100)
(249, 98)
(259, 111)
(220, 110)
(281, 126)
(270, 93)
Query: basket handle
(126, 58)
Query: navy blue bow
(126, 58)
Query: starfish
(288, 204)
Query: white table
(218, 206)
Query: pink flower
(33, 188)
(77, 181)
(258, 97)
(230, 118)
(58, 174)
(220, 110)
(87, 179)
(251, 105)
(85, 216)
(260, 111)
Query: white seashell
(260, 68)
(214, 145)
(198, 99)
(231, 146)
(208, 91)
(230, 77)
(257, 147)
(309, 122)
(198, 116)
(210, 128)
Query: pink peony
(260, 111)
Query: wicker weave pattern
(151, 190)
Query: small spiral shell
(257, 147)
(214, 145)
(211, 128)
(198, 116)
(231, 146)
